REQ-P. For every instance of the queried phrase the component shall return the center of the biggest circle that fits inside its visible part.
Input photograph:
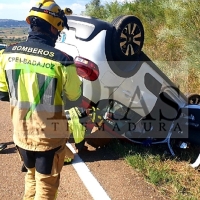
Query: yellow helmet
(49, 11)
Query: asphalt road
(114, 178)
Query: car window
(87, 28)
(83, 29)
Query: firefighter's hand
(82, 112)
(95, 115)
(80, 146)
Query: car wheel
(128, 38)
(193, 99)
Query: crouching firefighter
(36, 76)
(78, 118)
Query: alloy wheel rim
(130, 39)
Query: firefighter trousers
(43, 176)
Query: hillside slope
(12, 23)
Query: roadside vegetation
(172, 41)
(172, 176)
(172, 37)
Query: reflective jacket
(36, 76)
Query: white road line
(196, 163)
(90, 182)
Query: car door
(140, 91)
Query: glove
(81, 112)
(80, 145)
(95, 115)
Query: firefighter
(76, 128)
(35, 76)
(78, 118)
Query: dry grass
(13, 35)
(170, 57)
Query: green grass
(173, 176)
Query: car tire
(193, 99)
(127, 38)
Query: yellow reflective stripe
(31, 63)
(67, 159)
(40, 107)
(33, 69)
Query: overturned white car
(137, 100)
